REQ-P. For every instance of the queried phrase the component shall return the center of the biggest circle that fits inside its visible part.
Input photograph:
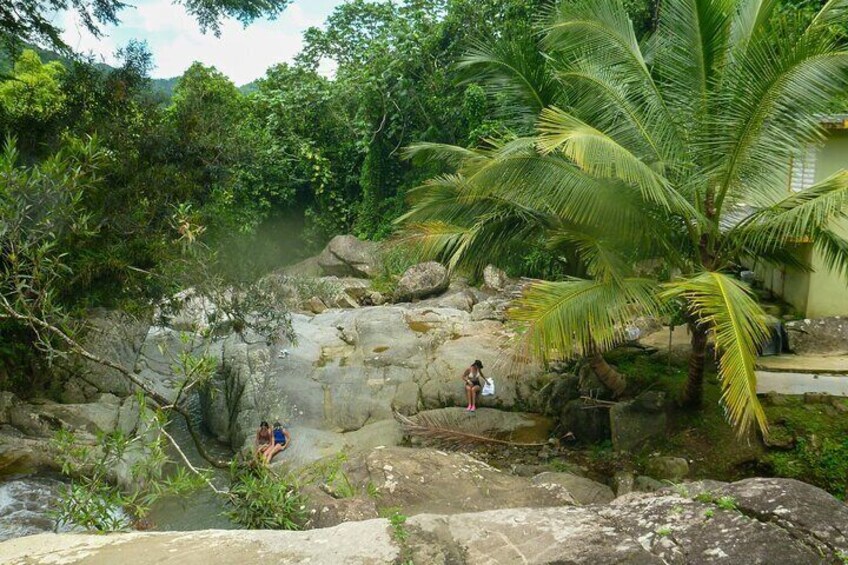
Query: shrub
(260, 498)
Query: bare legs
(471, 395)
(272, 451)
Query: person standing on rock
(473, 376)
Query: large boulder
(347, 256)
(783, 522)
(421, 281)
(818, 336)
(21, 455)
(429, 480)
(585, 425)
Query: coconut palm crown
(654, 167)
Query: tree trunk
(610, 378)
(693, 396)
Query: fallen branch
(191, 467)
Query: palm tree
(654, 168)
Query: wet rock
(584, 491)
(421, 281)
(347, 256)
(669, 468)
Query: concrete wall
(792, 285)
(821, 293)
(828, 291)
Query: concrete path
(799, 374)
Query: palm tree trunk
(693, 396)
(608, 376)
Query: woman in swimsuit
(473, 376)
(264, 438)
(280, 440)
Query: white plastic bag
(488, 388)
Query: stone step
(799, 374)
(814, 364)
(784, 382)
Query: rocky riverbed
(360, 357)
(770, 521)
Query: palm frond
(450, 155)
(796, 217)
(771, 106)
(833, 249)
(454, 429)
(567, 319)
(599, 155)
(604, 30)
(739, 326)
(690, 44)
(514, 67)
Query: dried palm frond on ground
(454, 429)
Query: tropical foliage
(651, 168)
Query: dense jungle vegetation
(115, 190)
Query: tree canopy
(652, 169)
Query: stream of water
(26, 501)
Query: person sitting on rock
(280, 440)
(264, 439)
(472, 377)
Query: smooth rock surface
(429, 480)
(352, 368)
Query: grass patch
(814, 436)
